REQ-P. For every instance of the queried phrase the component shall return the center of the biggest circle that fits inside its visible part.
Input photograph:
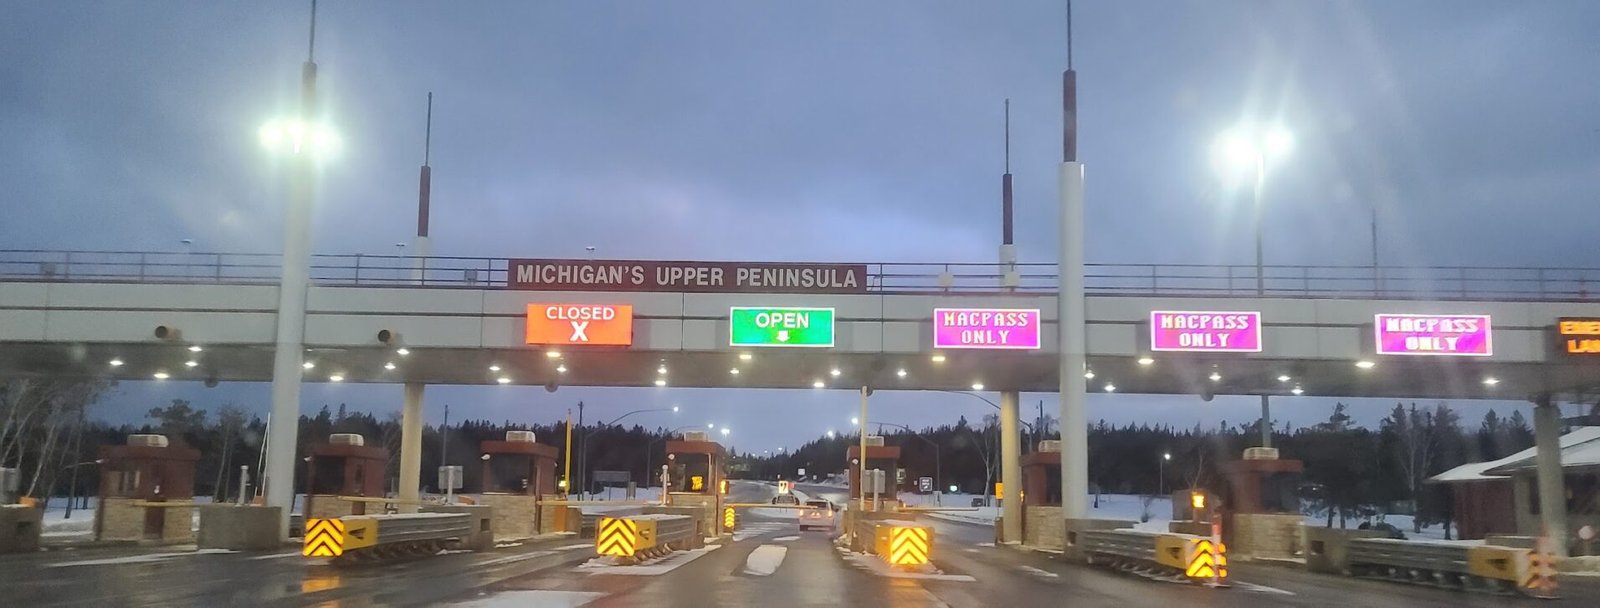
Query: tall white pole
(1010, 467)
(1547, 465)
(861, 486)
(282, 426)
(1069, 301)
(1074, 358)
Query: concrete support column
(861, 483)
(1074, 359)
(1552, 489)
(411, 446)
(1010, 468)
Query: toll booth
(696, 470)
(146, 491)
(879, 457)
(516, 473)
(344, 466)
(1042, 522)
(1261, 511)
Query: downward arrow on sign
(783, 335)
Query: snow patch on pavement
(785, 539)
(1037, 572)
(765, 560)
(654, 567)
(541, 598)
(876, 565)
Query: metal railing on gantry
(1292, 281)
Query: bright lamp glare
(1277, 141)
(293, 136)
(1235, 152)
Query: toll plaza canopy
(1321, 330)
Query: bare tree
(230, 420)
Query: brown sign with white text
(715, 277)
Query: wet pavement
(769, 563)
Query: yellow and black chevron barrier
(1208, 561)
(907, 545)
(1492, 568)
(1163, 556)
(730, 519)
(384, 537)
(639, 537)
(323, 538)
(617, 537)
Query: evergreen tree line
(1350, 470)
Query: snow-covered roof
(1581, 447)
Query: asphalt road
(768, 562)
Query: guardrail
(382, 537)
(1168, 556)
(1292, 281)
(1455, 565)
(638, 537)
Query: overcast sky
(811, 131)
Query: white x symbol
(578, 327)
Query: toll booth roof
(144, 452)
(875, 452)
(349, 451)
(497, 446)
(679, 446)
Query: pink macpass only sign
(1445, 335)
(1000, 328)
(1205, 331)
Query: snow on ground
(765, 560)
(1132, 508)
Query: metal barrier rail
(1168, 556)
(1455, 565)
(378, 537)
(1295, 281)
(638, 537)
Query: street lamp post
(938, 466)
(1248, 148)
(583, 455)
(1161, 476)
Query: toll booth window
(329, 478)
(360, 479)
(701, 470)
(1052, 487)
(124, 483)
(507, 473)
(1278, 493)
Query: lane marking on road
(276, 555)
(515, 558)
(1260, 588)
(765, 560)
(577, 546)
(971, 550)
(651, 568)
(785, 539)
(536, 597)
(876, 565)
(137, 559)
(759, 529)
(1037, 572)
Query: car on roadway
(785, 499)
(817, 514)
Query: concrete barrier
(1197, 528)
(1328, 549)
(481, 535)
(19, 528)
(238, 528)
